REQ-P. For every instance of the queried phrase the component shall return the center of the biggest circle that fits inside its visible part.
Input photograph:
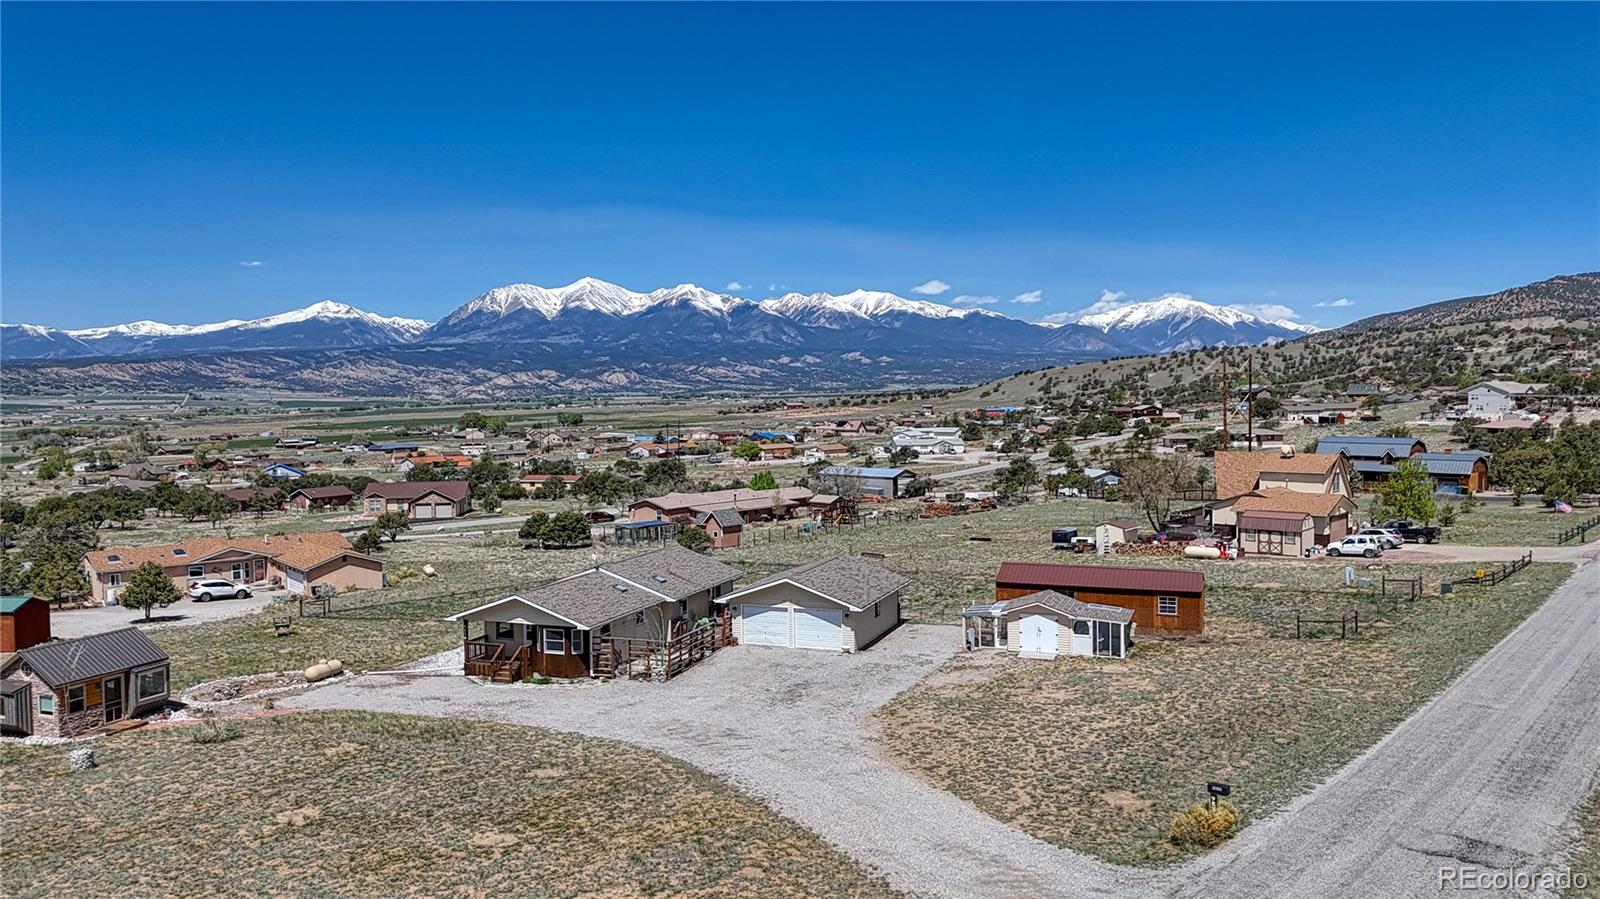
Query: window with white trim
(197, 571)
(47, 704)
(555, 641)
(75, 699)
(114, 579)
(1166, 605)
(577, 642)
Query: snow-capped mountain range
(598, 314)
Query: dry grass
(355, 804)
(1098, 755)
(1585, 855)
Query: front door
(1038, 634)
(111, 695)
(1082, 642)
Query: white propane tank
(428, 570)
(1202, 552)
(318, 672)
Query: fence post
(1357, 621)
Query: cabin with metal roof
(1046, 624)
(68, 688)
(1162, 600)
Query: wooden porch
(498, 661)
(657, 660)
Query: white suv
(1358, 545)
(205, 591)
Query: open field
(1097, 756)
(346, 803)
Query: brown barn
(24, 622)
(1163, 600)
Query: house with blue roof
(1374, 458)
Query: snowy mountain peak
(859, 303)
(1181, 322)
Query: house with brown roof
(1162, 600)
(532, 482)
(723, 526)
(244, 496)
(300, 562)
(419, 500)
(307, 498)
(1278, 521)
(601, 621)
(753, 505)
(1239, 472)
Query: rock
(81, 759)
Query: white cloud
(1109, 300)
(735, 285)
(966, 300)
(931, 288)
(252, 263)
(1340, 303)
(1060, 318)
(1268, 311)
(1028, 297)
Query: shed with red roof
(1163, 600)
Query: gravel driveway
(83, 622)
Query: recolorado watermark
(1469, 878)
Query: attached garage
(766, 626)
(840, 604)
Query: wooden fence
(1349, 625)
(1398, 588)
(1490, 576)
(1579, 530)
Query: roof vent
(660, 579)
(619, 588)
(1286, 451)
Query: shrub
(1203, 826)
(212, 730)
(403, 574)
(694, 537)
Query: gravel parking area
(83, 622)
(790, 727)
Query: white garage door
(764, 626)
(1038, 634)
(819, 629)
(294, 580)
(444, 510)
(422, 510)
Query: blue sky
(1336, 160)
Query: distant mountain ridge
(1564, 296)
(595, 336)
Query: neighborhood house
(299, 562)
(1046, 624)
(596, 621)
(418, 500)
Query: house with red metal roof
(1163, 600)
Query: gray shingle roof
(847, 579)
(68, 661)
(725, 517)
(1070, 607)
(675, 571)
(592, 598)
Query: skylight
(180, 552)
(113, 558)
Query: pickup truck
(1413, 533)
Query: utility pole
(1225, 441)
(1250, 404)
